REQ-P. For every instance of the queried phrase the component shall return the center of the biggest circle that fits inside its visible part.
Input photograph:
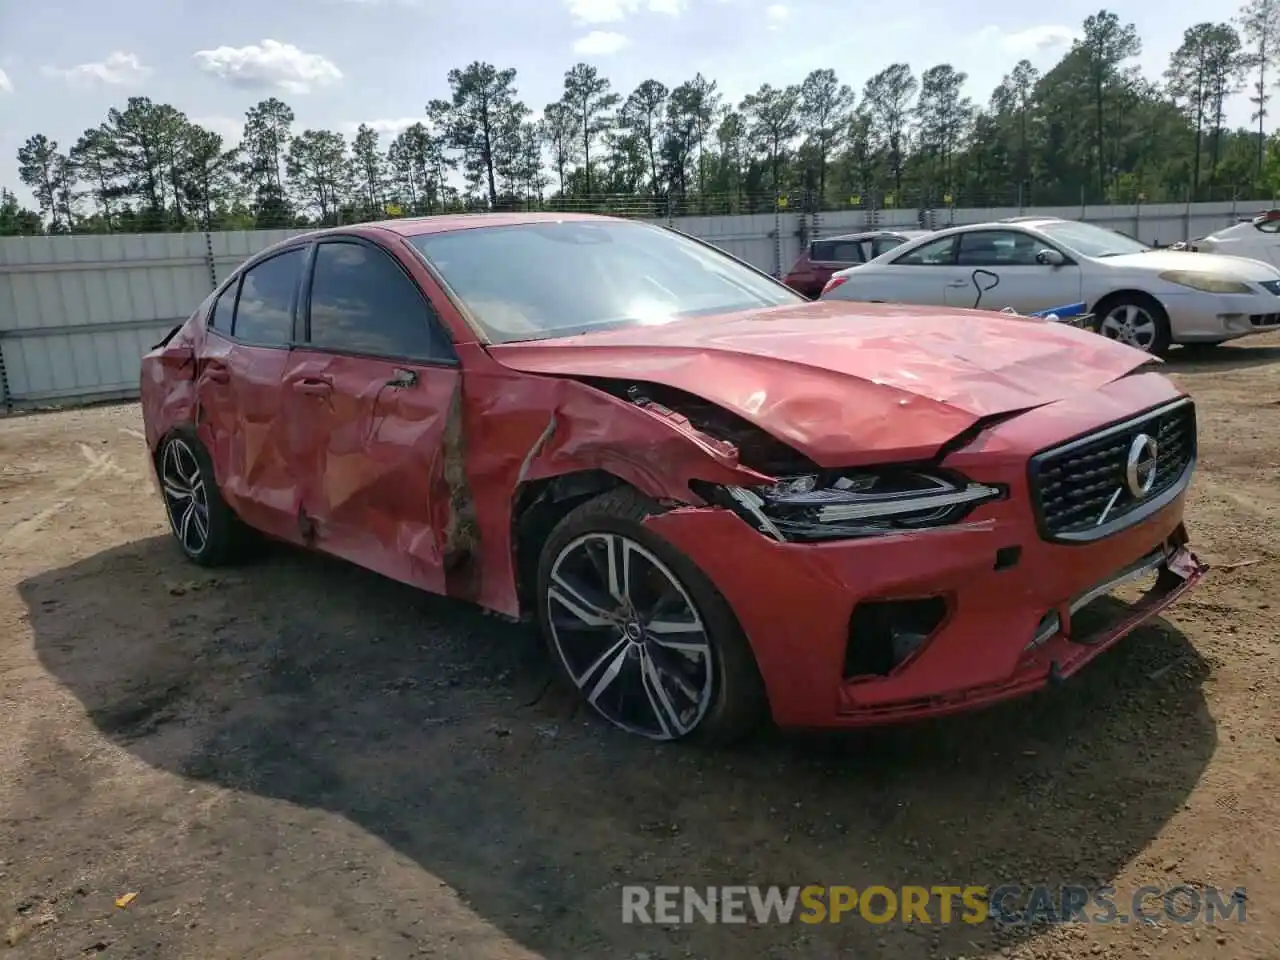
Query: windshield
(536, 281)
(1091, 241)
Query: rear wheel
(640, 631)
(207, 530)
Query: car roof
(417, 226)
(872, 234)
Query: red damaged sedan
(720, 501)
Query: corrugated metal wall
(77, 313)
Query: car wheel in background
(1136, 320)
(640, 631)
(207, 530)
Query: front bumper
(1203, 317)
(998, 581)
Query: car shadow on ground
(431, 726)
(1228, 356)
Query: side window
(883, 245)
(820, 250)
(838, 251)
(361, 302)
(264, 312)
(997, 248)
(936, 254)
(221, 312)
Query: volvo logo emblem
(1140, 468)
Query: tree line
(1093, 129)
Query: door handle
(312, 386)
(957, 284)
(217, 373)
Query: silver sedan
(1144, 297)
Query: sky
(339, 63)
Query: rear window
(837, 251)
(536, 281)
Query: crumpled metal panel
(849, 383)
(521, 428)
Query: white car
(1257, 238)
(1144, 297)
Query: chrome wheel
(630, 636)
(185, 497)
(1131, 324)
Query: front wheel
(640, 631)
(1135, 321)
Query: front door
(245, 354)
(995, 269)
(369, 394)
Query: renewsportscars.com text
(940, 904)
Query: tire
(207, 530)
(1138, 320)
(709, 692)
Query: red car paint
(421, 484)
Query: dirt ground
(299, 759)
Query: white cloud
(600, 43)
(269, 64)
(6, 85)
(614, 11)
(386, 126)
(230, 128)
(119, 69)
(1028, 43)
(777, 14)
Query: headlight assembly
(857, 503)
(1205, 282)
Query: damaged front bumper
(923, 624)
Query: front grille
(1080, 489)
(1272, 286)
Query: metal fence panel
(78, 312)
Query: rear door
(370, 391)
(245, 352)
(919, 276)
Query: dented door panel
(367, 438)
(239, 423)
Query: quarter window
(223, 309)
(362, 302)
(264, 312)
(936, 254)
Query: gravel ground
(299, 759)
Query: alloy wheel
(185, 497)
(1132, 325)
(630, 636)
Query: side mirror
(1050, 258)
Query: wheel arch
(537, 506)
(1119, 294)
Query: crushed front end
(873, 596)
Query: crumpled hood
(847, 383)
(1220, 265)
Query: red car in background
(719, 501)
(810, 273)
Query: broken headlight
(858, 504)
